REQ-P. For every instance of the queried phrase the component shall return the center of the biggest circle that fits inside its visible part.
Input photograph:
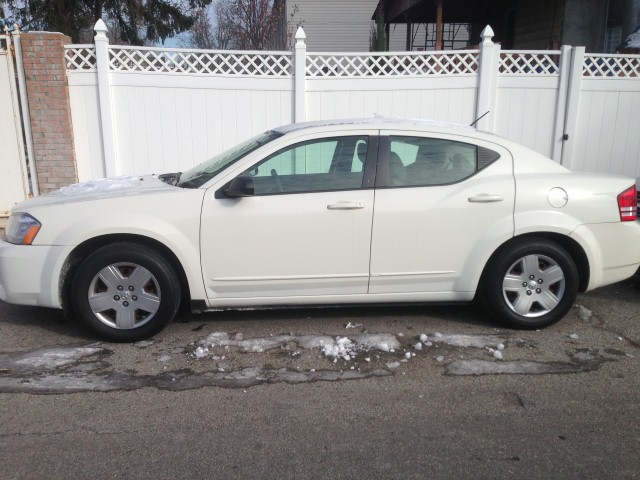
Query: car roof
(379, 122)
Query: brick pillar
(49, 108)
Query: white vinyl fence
(13, 171)
(155, 110)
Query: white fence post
(487, 81)
(299, 82)
(573, 100)
(104, 96)
(561, 103)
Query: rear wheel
(125, 292)
(531, 283)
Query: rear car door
(443, 204)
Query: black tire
(530, 283)
(125, 292)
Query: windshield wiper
(170, 178)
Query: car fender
(562, 223)
(183, 245)
(178, 232)
(554, 221)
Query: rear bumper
(28, 274)
(613, 250)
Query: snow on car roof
(420, 122)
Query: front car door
(305, 229)
(443, 204)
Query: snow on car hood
(102, 188)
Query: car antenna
(479, 118)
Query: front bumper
(29, 275)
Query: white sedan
(326, 213)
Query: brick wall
(49, 109)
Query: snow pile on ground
(584, 313)
(341, 348)
(495, 342)
(338, 347)
(53, 357)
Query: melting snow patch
(201, 352)
(378, 341)
(143, 343)
(477, 341)
(584, 313)
(583, 362)
(101, 185)
(340, 347)
(47, 358)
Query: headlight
(22, 229)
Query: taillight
(628, 205)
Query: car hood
(98, 189)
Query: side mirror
(241, 186)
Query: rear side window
(422, 161)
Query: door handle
(486, 198)
(345, 206)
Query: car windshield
(200, 174)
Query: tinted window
(420, 161)
(320, 165)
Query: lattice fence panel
(387, 65)
(514, 62)
(274, 64)
(625, 66)
(80, 57)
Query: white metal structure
(364, 211)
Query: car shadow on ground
(396, 316)
(51, 320)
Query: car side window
(424, 161)
(325, 164)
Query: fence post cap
(300, 36)
(16, 29)
(100, 28)
(487, 34)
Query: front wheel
(531, 283)
(125, 292)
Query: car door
(443, 204)
(303, 229)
